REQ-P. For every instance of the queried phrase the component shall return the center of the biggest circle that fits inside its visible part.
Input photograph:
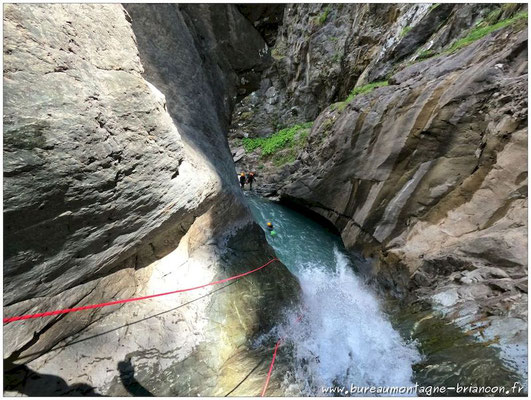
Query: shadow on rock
(21, 379)
(127, 376)
(73, 342)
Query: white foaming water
(344, 338)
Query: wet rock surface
(429, 178)
(117, 185)
(426, 176)
(119, 182)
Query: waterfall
(337, 304)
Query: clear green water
(299, 240)
(351, 336)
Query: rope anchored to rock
(111, 303)
(279, 342)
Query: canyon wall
(118, 182)
(426, 175)
(322, 51)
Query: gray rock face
(428, 177)
(265, 18)
(118, 182)
(323, 51)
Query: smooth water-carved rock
(119, 183)
(428, 177)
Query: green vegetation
(285, 158)
(292, 138)
(425, 54)
(246, 115)
(482, 31)
(327, 125)
(509, 8)
(366, 89)
(279, 51)
(493, 17)
(337, 57)
(324, 15)
(276, 54)
(356, 91)
(405, 31)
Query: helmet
(269, 224)
(243, 173)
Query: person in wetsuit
(271, 229)
(242, 179)
(250, 180)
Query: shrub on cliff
(482, 30)
(356, 91)
(280, 140)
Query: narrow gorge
(400, 128)
(407, 130)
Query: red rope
(271, 366)
(69, 310)
(299, 318)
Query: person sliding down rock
(272, 231)
(250, 180)
(242, 180)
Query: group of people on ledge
(249, 178)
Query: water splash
(343, 337)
